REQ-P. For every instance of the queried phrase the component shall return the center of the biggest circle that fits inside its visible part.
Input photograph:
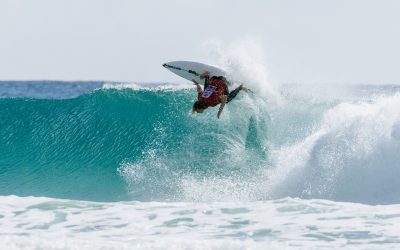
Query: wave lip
(46, 89)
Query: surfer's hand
(195, 82)
(204, 74)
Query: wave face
(136, 144)
(97, 145)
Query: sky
(301, 41)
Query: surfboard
(193, 70)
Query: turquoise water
(75, 148)
(112, 144)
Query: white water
(44, 223)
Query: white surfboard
(193, 70)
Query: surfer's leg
(234, 93)
(226, 91)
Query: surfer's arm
(224, 99)
(199, 90)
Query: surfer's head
(199, 107)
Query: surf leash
(178, 68)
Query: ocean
(100, 165)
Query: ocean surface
(98, 165)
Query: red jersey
(210, 96)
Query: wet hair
(199, 105)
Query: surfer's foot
(244, 88)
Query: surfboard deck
(192, 70)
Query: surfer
(215, 92)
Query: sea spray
(352, 155)
(244, 60)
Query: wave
(137, 144)
(95, 146)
